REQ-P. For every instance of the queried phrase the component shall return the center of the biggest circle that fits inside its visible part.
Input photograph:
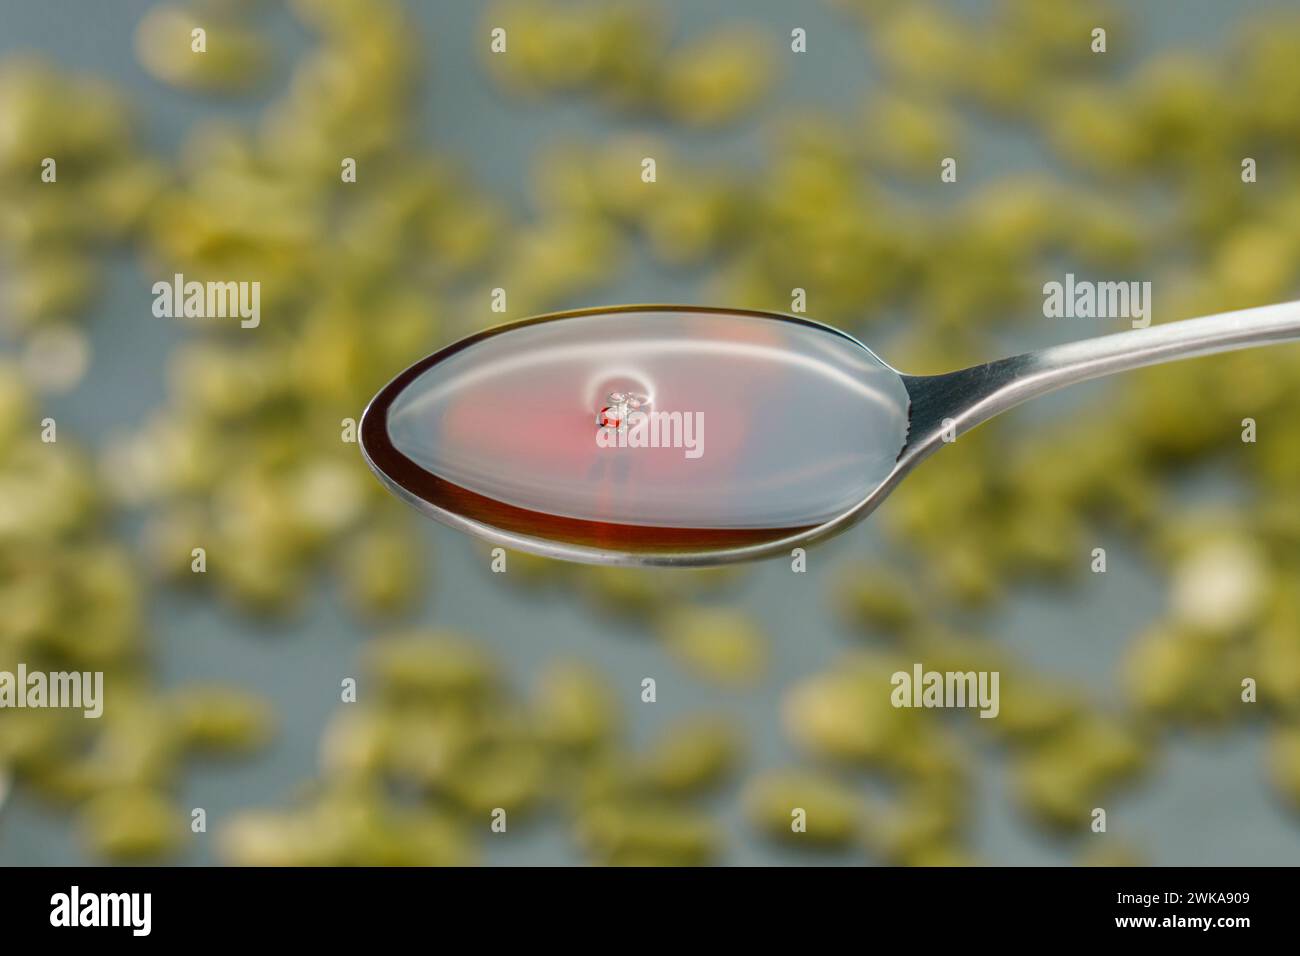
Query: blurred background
(785, 160)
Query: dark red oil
(752, 428)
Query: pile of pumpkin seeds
(70, 601)
(445, 746)
(250, 453)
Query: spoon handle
(974, 395)
(1091, 358)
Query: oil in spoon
(641, 429)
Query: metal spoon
(941, 407)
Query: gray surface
(1205, 803)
